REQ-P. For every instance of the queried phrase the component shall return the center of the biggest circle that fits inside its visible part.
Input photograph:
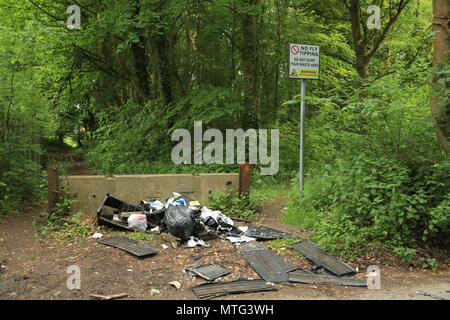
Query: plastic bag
(151, 206)
(154, 210)
(177, 200)
(182, 221)
(216, 220)
(138, 221)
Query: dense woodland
(377, 121)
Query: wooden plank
(125, 215)
(210, 290)
(129, 245)
(210, 271)
(267, 264)
(111, 297)
(266, 233)
(244, 179)
(53, 187)
(302, 277)
(119, 224)
(320, 257)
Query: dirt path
(37, 269)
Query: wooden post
(244, 179)
(53, 187)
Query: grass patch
(228, 203)
(141, 236)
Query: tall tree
(366, 42)
(250, 63)
(440, 111)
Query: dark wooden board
(210, 290)
(302, 277)
(267, 264)
(320, 257)
(210, 271)
(129, 245)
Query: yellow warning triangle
(293, 73)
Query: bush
(245, 207)
(388, 181)
(54, 219)
(20, 180)
(367, 200)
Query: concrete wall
(89, 191)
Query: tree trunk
(250, 62)
(362, 60)
(440, 111)
(140, 77)
(363, 40)
(160, 61)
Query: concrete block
(89, 191)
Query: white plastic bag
(215, 219)
(138, 221)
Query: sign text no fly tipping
(304, 61)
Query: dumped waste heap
(192, 223)
(182, 217)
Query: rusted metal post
(244, 179)
(53, 187)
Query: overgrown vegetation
(141, 236)
(391, 184)
(60, 223)
(226, 201)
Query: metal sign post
(302, 133)
(304, 63)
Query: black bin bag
(182, 221)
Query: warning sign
(304, 61)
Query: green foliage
(388, 184)
(441, 93)
(60, 225)
(141, 236)
(24, 116)
(75, 226)
(245, 207)
(54, 219)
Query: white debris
(155, 229)
(193, 242)
(240, 239)
(164, 246)
(138, 221)
(176, 284)
(155, 204)
(222, 221)
(97, 235)
(243, 229)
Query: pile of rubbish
(192, 223)
(183, 218)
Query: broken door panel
(129, 245)
(211, 290)
(265, 233)
(209, 272)
(267, 264)
(320, 257)
(302, 277)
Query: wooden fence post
(244, 179)
(53, 187)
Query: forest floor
(33, 267)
